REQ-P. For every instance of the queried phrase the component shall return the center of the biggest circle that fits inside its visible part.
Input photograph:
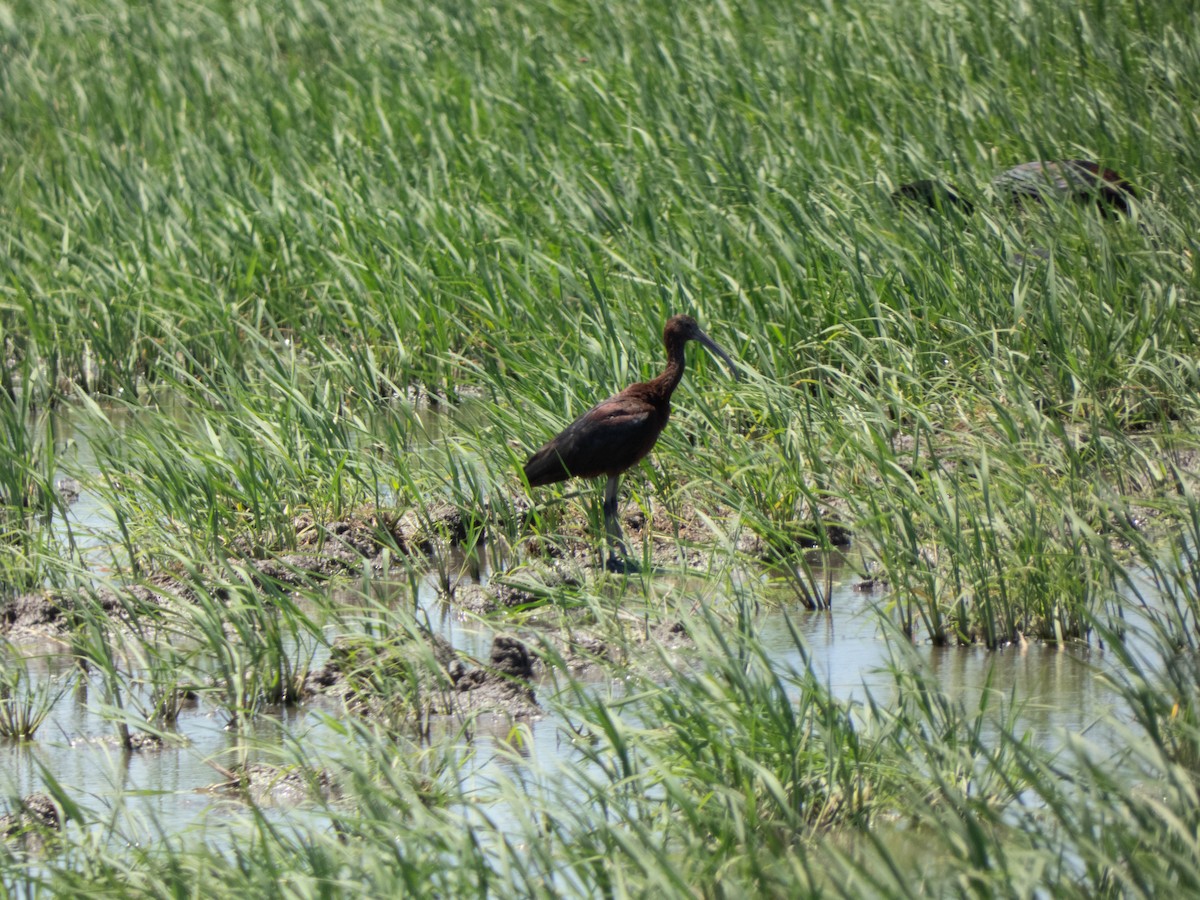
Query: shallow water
(848, 646)
(1056, 691)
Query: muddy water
(1057, 690)
(164, 791)
(158, 789)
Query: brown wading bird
(1077, 179)
(1074, 179)
(618, 432)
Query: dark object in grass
(617, 433)
(932, 194)
(1075, 179)
(1080, 180)
(36, 812)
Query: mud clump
(797, 537)
(295, 569)
(139, 742)
(581, 650)
(33, 614)
(577, 652)
(69, 489)
(504, 684)
(321, 551)
(42, 614)
(36, 813)
(267, 785)
(516, 590)
(429, 528)
(324, 550)
(666, 538)
(413, 676)
(361, 668)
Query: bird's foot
(622, 564)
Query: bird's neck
(668, 380)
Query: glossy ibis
(1065, 179)
(618, 432)
(1077, 179)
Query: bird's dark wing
(606, 440)
(932, 194)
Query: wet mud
(414, 676)
(32, 815)
(262, 784)
(322, 551)
(580, 649)
(139, 742)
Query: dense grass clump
(293, 288)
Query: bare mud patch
(33, 815)
(673, 539)
(525, 588)
(262, 784)
(371, 539)
(326, 549)
(139, 742)
(429, 529)
(69, 489)
(412, 677)
(50, 614)
(686, 537)
(322, 551)
(580, 649)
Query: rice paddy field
(292, 289)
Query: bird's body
(1076, 179)
(631, 422)
(1045, 180)
(617, 433)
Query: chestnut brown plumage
(1081, 180)
(617, 433)
(1078, 179)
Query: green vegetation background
(279, 221)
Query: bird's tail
(545, 467)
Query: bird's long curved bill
(717, 349)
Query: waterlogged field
(293, 289)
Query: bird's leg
(612, 523)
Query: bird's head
(682, 328)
